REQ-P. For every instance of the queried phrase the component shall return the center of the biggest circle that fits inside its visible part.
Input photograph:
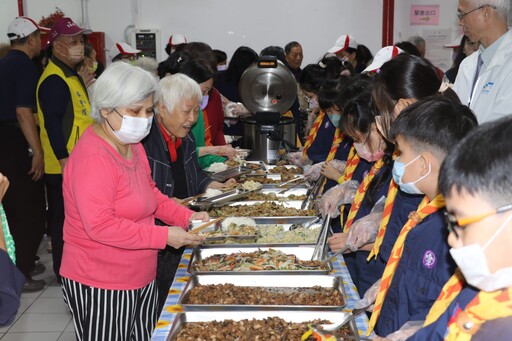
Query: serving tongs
(205, 225)
(312, 193)
(321, 243)
(326, 332)
(305, 225)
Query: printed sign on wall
(424, 15)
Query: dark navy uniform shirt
(437, 330)
(368, 272)
(18, 82)
(321, 146)
(425, 267)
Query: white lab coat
(492, 98)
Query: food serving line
(197, 266)
(264, 276)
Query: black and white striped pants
(101, 314)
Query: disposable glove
(364, 230)
(336, 196)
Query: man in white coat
(484, 81)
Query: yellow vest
(80, 110)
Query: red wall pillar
(388, 20)
(21, 12)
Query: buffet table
(171, 309)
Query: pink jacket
(110, 237)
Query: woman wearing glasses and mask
(111, 240)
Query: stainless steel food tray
(270, 167)
(230, 173)
(289, 204)
(302, 252)
(253, 241)
(267, 282)
(335, 317)
(221, 199)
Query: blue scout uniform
(438, 329)
(368, 272)
(321, 145)
(425, 267)
(362, 169)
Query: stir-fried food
(234, 230)
(272, 328)
(230, 294)
(274, 196)
(286, 170)
(256, 261)
(265, 209)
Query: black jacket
(160, 163)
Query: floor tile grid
(43, 315)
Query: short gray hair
(502, 6)
(147, 63)
(178, 87)
(416, 40)
(121, 85)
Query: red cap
(66, 27)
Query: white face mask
(133, 129)
(473, 264)
(75, 53)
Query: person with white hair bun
(111, 241)
(172, 155)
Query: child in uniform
(419, 263)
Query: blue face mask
(398, 174)
(335, 119)
(204, 102)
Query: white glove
(364, 230)
(336, 196)
(233, 109)
(338, 165)
(295, 158)
(369, 297)
(406, 331)
(312, 173)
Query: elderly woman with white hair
(171, 151)
(111, 240)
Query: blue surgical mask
(398, 174)
(204, 102)
(335, 119)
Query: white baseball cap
(177, 39)
(343, 43)
(123, 48)
(384, 55)
(22, 27)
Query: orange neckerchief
(352, 162)
(171, 145)
(361, 192)
(425, 208)
(312, 134)
(486, 306)
(386, 215)
(338, 138)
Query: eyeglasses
(462, 15)
(455, 224)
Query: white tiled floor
(42, 316)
